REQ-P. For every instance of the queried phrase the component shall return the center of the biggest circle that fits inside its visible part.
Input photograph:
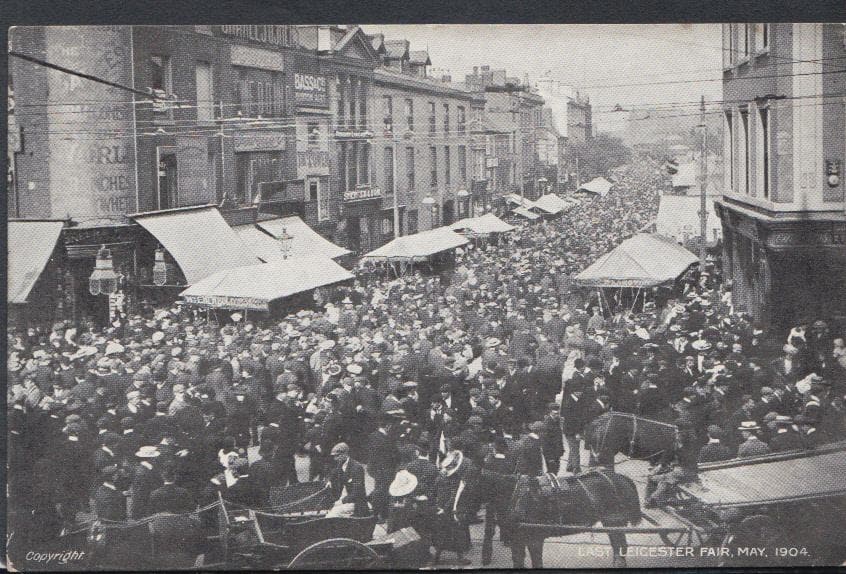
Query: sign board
(311, 90)
(227, 302)
(362, 192)
(246, 141)
(312, 162)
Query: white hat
(236, 317)
(354, 369)
(452, 462)
(147, 452)
(404, 484)
(114, 348)
(157, 336)
(748, 426)
(327, 344)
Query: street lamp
(160, 268)
(285, 242)
(462, 195)
(104, 280)
(432, 204)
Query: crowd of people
(499, 357)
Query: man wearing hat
(528, 452)
(785, 437)
(424, 470)
(346, 483)
(452, 531)
(145, 480)
(552, 441)
(381, 465)
(751, 445)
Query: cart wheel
(337, 554)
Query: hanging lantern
(104, 280)
(160, 268)
(285, 242)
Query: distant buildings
(783, 212)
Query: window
(447, 169)
(409, 114)
(762, 37)
(744, 151)
(259, 93)
(389, 170)
(762, 154)
(362, 108)
(409, 168)
(431, 117)
(313, 134)
(167, 177)
(342, 106)
(728, 152)
(316, 194)
(745, 40)
(364, 169)
(252, 170)
(351, 122)
(462, 120)
(388, 225)
(462, 163)
(343, 165)
(433, 158)
(388, 112)
(446, 119)
(730, 54)
(412, 221)
(160, 74)
(352, 166)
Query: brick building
(782, 210)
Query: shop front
(362, 217)
(259, 165)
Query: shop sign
(259, 142)
(311, 90)
(362, 192)
(227, 302)
(312, 162)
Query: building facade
(782, 210)
(423, 152)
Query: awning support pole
(635, 298)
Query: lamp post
(103, 280)
(462, 195)
(160, 268)
(432, 204)
(285, 241)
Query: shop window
(168, 190)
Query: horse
(517, 501)
(634, 436)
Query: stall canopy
(644, 260)
(256, 286)
(551, 204)
(517, 199)
(419, 245)
(306, 241)
(678, 217)
(31, 243)
(199, 239)
(526, 213)
(482, 225)
(598, 185)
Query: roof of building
(388, 76)
(420, 57)
(378, 42)
(396, 49)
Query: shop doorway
(354, 234)
(448, 212)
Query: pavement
(587, 550)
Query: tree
(598, 155)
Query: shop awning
(644, 260)
(484, 224)
(31, 243)
(263, 246)
(306, 241)
(256, 286)
(199, 239)
(598, 185)
(526, 213)
(517, 199)
(551, 204)
(419, 245)
(678, 217)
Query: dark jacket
(712, 452)
(382, 453)
(353, 481)
(789, 440)
(171, 498)
(528, 456)
(109, 504)
(427, 476)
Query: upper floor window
(388, 112)
(462, 120)
(205, 92)
(762, 37)
(431, 117)
(446, 119)
(259, 93)
(409, 114)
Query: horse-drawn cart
(784, 507)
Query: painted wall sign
(361, 193)
(259, 142)
(227, 302)
(311, 90)
(92, 177)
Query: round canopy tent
(642, 261)
(255, 287)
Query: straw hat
(452, 463)
(404, 484)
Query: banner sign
(227, 302)
(311, 90)
(361, 193)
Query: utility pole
(703, 176)
(395, 190)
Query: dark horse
(634, 436)
(523, 505)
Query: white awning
(516, 199)
(263, 246)
(551, 204)
(199, 239)
(419, 245)
(488, 223)
(598, 185)
(256, 286)
(306, 241)
(31, 243)
(526, 213)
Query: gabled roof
(420, 58)
(356, 36)
(378, 42)
(396, 49)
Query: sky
(589, 57)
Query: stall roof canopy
(488, 223)
(255, 286)
(644, 260)
(31, 243)
(306, 241)
(678, 217)
(598, 185)
(518, 199)
(551, 204)
(419, 245)
(526, 213)
(199, 239)
(264, 246)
